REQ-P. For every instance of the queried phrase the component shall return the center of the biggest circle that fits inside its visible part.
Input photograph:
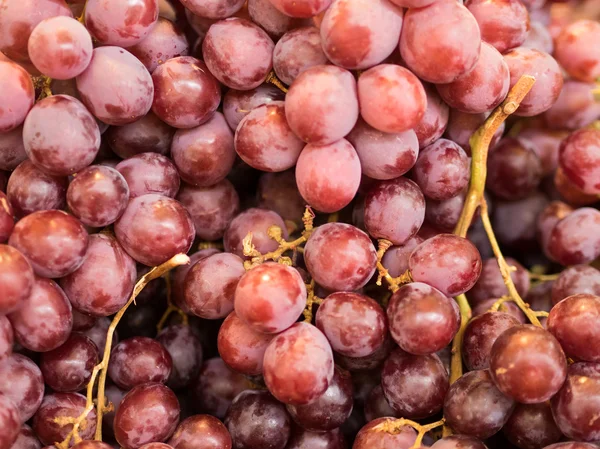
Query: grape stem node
(272, 79)
(394, 283)
(310, 300)
(394, 426)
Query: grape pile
(299, 224)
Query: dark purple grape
(185, 350)
(257, 221)
(414, 385)
(298, 365)
(138, 360)
(154, 228)
(256, 420)
(480, 334)
(279, 192)
(26, 439)
(201, 432)
(115, 395)
(238, 103)
(458, 442)
(521, 232)
(150, 173)
(16, 279)
(520, 357)
(576, 238)
(23, 383)
(491, 284)
(148, 413)
(58, 405)
(578, 279)
(575, 406)
(531, 426)
(148, 134)
(539, 296)
(444, 215)
(330, 410)
(377, 406)
(68, 368)
(475, 407)
(10, 426)
(371, 438)
(340, 257)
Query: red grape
(513, 232)
(458, 441)
(201, 432)
(12, 150)
(255, 221)
(444, 215)
(575, 53)
(576, 238)
(149, 173)
(545, 143)
(579, 158)
(88, 444)
(273, 21)
(9, 422)
(568, 191)
(434, 121)
(238, 103)
(148, 134)
(16, 279)
(575, 107)
(213, 9)
(6, 338)
(395, 259)
(531, 426)
(279, 192)
(369, 362)
(377, 406)
(491, 284)
(370, 438)
(185, 350)
(296, 51)
(301, 8)
(18, 95)
(23, 383)
(576, 279)
(26, 439)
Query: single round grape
(211, 208)
(438, 51)
(340, 257)
(513, 232)
(147, 413)
(256, 221)
(422, 320)
(279, 192)
(216, 387)
(201, 432)
(447, 262)
(358, 34)
(328, 176)
(226, 53)
(122, 23)
(383, 155)
(82, 321)
(210, 285)
(238, 103)
(461, 126)
(377, 406)
(10, 425)
(16, 279)
(204, 155)
(576, 238)
(575, 53)
(354, 324)
(548, 79)
(149, 173)
(23, 383)
(458, 441)
(98, 195)
(395, 259)
(520, 357)
(12, 150)
(26, 439)
(582, 279)
(164, 41)
(116, 87)
(18, 95)
(579, 158)
(59, 405)
(475, 407)
(575, 406)
(68, 368)
(185, 93)
(154, 228)
(370, 438)
(491, 285)
(297, 50)
(53, 241)
(256, 420)
(483, 88)
(60, 47)
(568, 191)
(547, 219)
(508, 307)
(301, 438)
(434, 121)
(322, 104)
(270, 297)
(480, 334)
(148, 134)
(273, 21)
(298, 365)
(545, 143)
(185, 350)
(213, 9)
(179, 273)
(301, 8)
(444, 215)
(531, 426)
(575, 108)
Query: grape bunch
(299, 224)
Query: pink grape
(444, 215)
(210, 285)
(298, 365)
(577, 279)
(179, 273)
(358, 34)
(436, 50)
(579, 157)
(461, 126)
(264, 140)
(105, 258)
(380, 88)
(204, 155)
(370, 438)
(98, 195)
(122, 23)
(7, 338)
(23, 383)
(164, 41)
(213, 9)
(328, 175)
(150, 173)
(154, 228)
(340, 257)
(116, 87)
(270, 297)
(257, 221)
(483, 88)
(386, 202)
(211, 208)
(447, 262)
(548, 79)
(69, 144)
(60, 47)
(185, 93)
(16, 279)
(545, 143)
(44, 322)
(148, 134)
(395, 259)
(574, 52)
(434, 121)
(12, 150)
(20, 18)
(575, 238)
(301, 8)
(9, 420)
(238, 103)
(412, 3)
(17, 89)
(539, 37)
(273, 21)
(297, 51)
(384, 155)
(322, 104)
(575, 108)
(226, 53)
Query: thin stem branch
(456, 367)
(310, 300)
(394, 283)
(543, 277)
(171, 308)
(394, 426)
(272, 79)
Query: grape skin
(238, 103)
(296, 51)
(532, 426)
(201, 432)
(368, 438)
(147, 134)
(491, 285)
(23, 383)
(395, 259)
(6, 338)
(9, 422)
(578, 279)
(17, 90)
(273, 21)
(574, 52)
(301, 8)
(575, 239)
(435, 120)
(580, 160)
(150, 173)
(575, 107)
(185, 349)
(213, 9)
(26, 439)
(279, 192)
(16, 279)
(458, 441)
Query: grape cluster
(299, 224)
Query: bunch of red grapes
(299, 152)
